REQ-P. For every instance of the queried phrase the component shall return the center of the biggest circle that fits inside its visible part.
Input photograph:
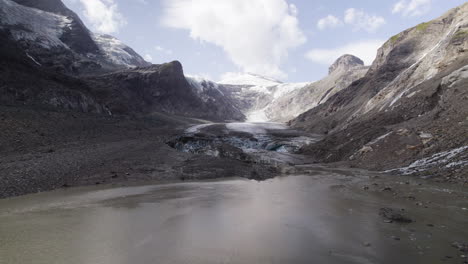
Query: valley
(108, 158)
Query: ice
(257, 116)
(115, 50)
(196, 129)
(249, 79)
(33, 24)
(255, 128)
(437, 159)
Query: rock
(367, 244)
(462, 247)
(393, 215)
(365, 150)
(345, 62)
(404, 90)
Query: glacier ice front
(253, 142)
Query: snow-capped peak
(248, 79)
(117, 52)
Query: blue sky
(291, 40)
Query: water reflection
(298, 219)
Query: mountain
(253, 94)
(409, 112)
(265, 99)
(55, 37)
(160, 88)
(344, 71)
(51, 60)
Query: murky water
(297, 219)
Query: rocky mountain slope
(54, 36)
(50, 59)
(264, 99)
(342, 73)
(410, 109)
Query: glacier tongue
(248, 79)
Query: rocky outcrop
(345, 63)
(383, 121)
(161, 88)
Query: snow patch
(33, 24)
(249, 79)
(116, 51)
(202, 84)
(197, 128)
(287, 88)
(433, 161)
(380, 138)
(34, 60)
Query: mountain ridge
(43, 43)
(405, 96)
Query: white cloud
(361, 20)
(103, 15)
(365, 50)
(255, 34)
(163, 50)
(412, 7)
(329, 21)
(148, 57)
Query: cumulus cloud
(412, 7)
(358, 19)
(256, 34)
(103, 15)
(365, 50)
(362, 20)
(329, 21)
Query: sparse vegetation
(461, 34)
(394, 38)
(422, 26)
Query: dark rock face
(346, 62)
(22, 82)
(157, 88)
(383, 120)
